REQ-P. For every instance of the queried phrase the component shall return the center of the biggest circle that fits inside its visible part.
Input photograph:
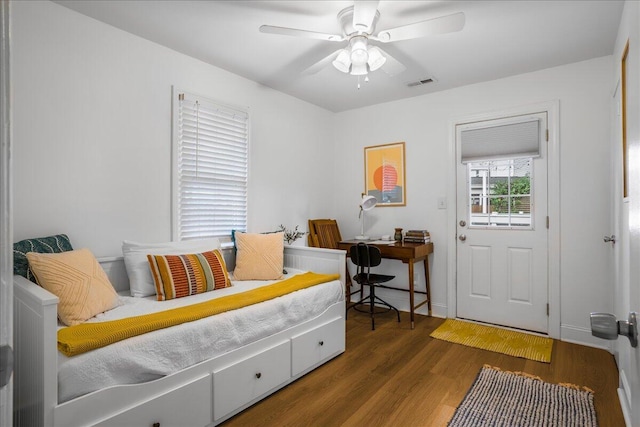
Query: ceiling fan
(358, 24)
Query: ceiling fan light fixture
(376, 58)
(359, 54)
(342, 61)
(358, 23)
(359, 57)
(359, 69)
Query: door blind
(513, 140)
(211, 168)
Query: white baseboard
(400, 300)
(582, 336)
(624, 394)
(568, 333)
(438, 310)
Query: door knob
(462, 237)
(606, 326)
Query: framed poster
(384, 174)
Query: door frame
(6, 210)
(552, 109)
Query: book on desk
(417, 236)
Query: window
(500, 192)
(210, 164)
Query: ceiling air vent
(420, 82)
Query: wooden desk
(408, 253)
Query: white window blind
(210, 169)
(513, 140)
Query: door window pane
(500, 193)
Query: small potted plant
(291, 236)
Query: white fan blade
(441, 25)
(391, 66)
(270, 29)
(321, 64)
(363, 14)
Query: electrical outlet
(442, 203)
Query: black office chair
(364, 257)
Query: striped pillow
(178, 276)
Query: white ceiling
(500, 38)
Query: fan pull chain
(366, 80)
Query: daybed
(203, 394)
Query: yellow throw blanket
(88, 336)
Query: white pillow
(135, 260)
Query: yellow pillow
(259, 256)
(78, 280)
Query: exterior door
(502, 265)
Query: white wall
(584, 93)
(92, 138)
(92, 134)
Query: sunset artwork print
(385, 174)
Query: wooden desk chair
(324, 233)
(364, 257)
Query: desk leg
(411, 291)
(427, 283)
(348, 282)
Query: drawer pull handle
(321, 343)
(258, 375)
(155, 425)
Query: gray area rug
(500, 398)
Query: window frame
(176, 233)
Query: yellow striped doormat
(499, 340)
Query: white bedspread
(154, 355)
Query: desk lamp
(366, 204)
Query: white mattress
(154, 355)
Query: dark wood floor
(395, 376)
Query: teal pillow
(43, 245)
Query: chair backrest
(365, 256)
(324, 233)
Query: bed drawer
(315, 345)
(186, 406)
(236, 385)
